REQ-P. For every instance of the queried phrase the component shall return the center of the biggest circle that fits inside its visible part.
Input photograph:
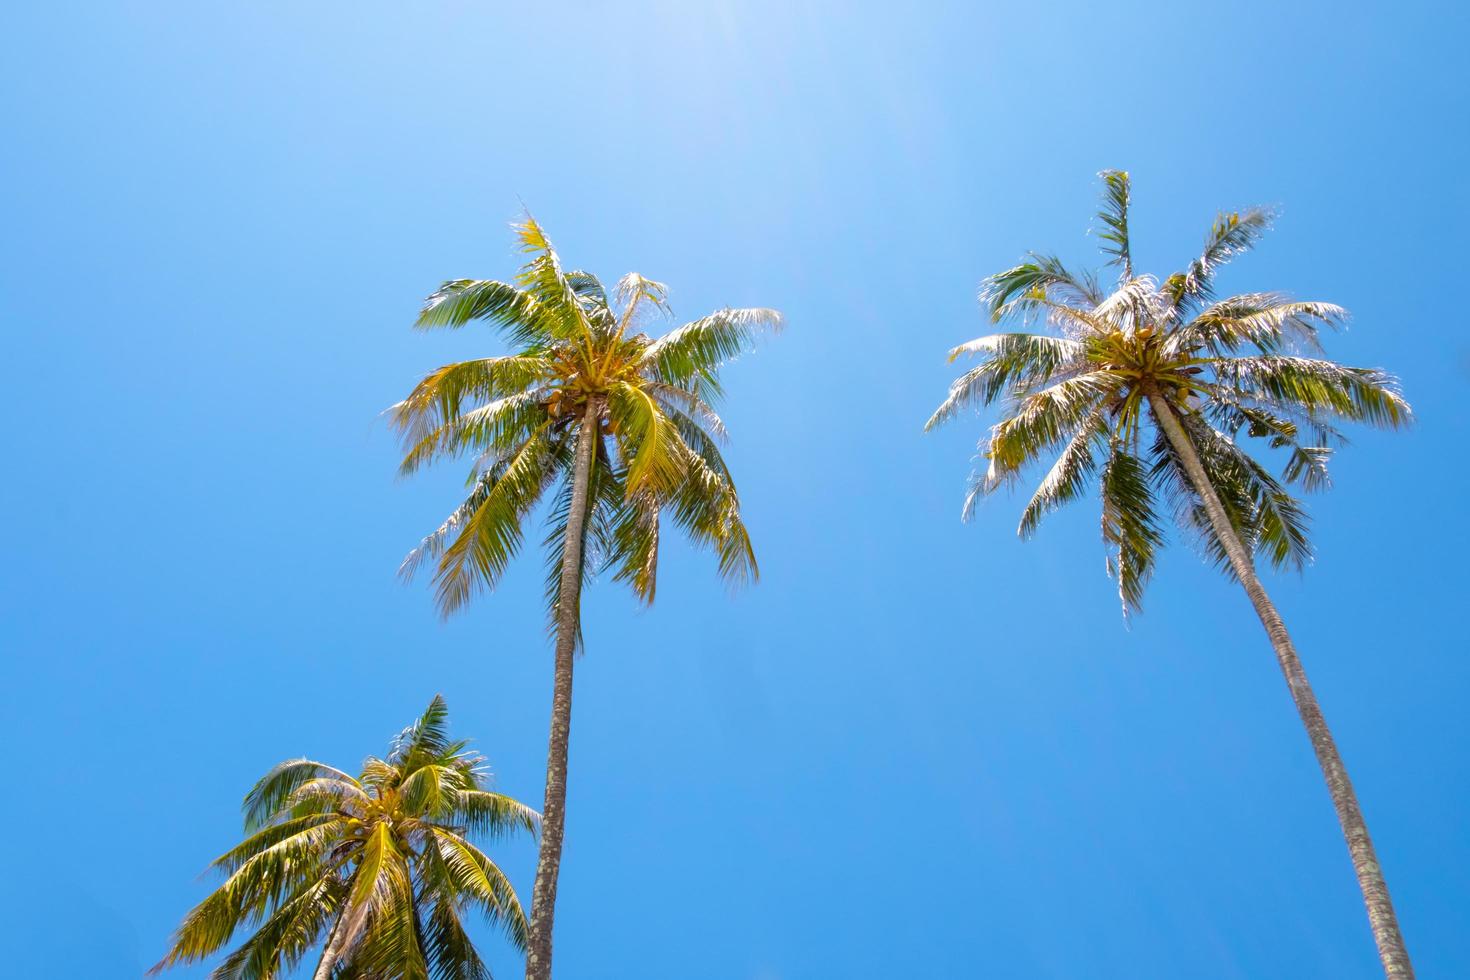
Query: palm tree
(378, 870)
(620, 424)
(1197, 372)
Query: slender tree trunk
(568, 614)
(1381, 916)
(333, 950)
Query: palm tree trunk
(333, 950)
(1365, 862)
(568, 615)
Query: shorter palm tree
(377, 871)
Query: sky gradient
(918, 748)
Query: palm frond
(1114, 217)
(560, 313)
(589, 289)
(692, 353)
(1317, 387)
(493, 815)
(1306, 461)
(487, 538)
(450, 952)
(477, 880)
(1068, 477)
(1129, 524)
(427, 736)
(675, 399)
(633, 290)
(1023, 289)
(285, 938)
(646, 439)
(458, 301)
(1011, 360)
(1266, 518)
(268, 797)
(707, 506)
(1131, 305)
(442, 394)
(268, 837)
(1231, 235)
(1269, 322)
(1044, 418)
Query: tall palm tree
(378, 870)
(619, 423)
(1145, 389)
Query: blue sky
(918, 748)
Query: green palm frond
(1043, 419)
(258, 885)
(459, 301)
(287, 936)
(476, 881)
(559, 308)
(268, 796)
(1129, 307)
(493, 815)
(677, 401)
(707, 508)
(692, 354)
(1269, 322)
(279, 831)
(591, 291)
(439, 399)
(1024, 289)
(449, 947)
(490, 536)
(1068, 477)
(1306, 461)
(1267, 519)
(1011, 361)
(1232, 234)
(647, 439)
(637, 537)
(1114, 216)
(1130, 526)
(1316, 386)
(427, 737)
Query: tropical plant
(1144, 389)
(615, 427)
(378, 870)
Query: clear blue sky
(918, 748)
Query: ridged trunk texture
(1381, 916)
(568, 615)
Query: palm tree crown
(1116, 358)
(580, 361)
(379, 868)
